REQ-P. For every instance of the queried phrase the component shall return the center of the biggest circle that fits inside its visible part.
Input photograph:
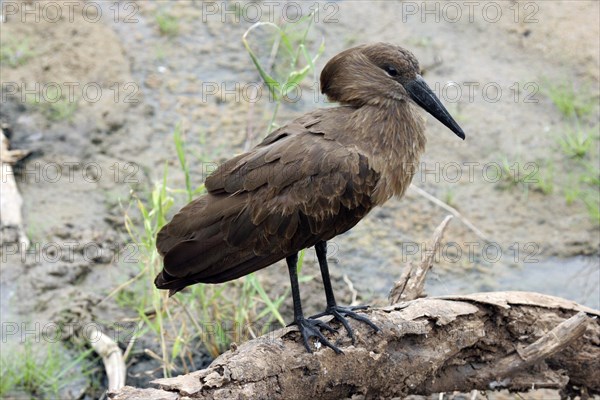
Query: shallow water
(574, 278)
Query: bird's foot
(311, 328)
(339, 313)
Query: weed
(60, 110)
(592, 204)
(15, 53)
(55, 106)
(449, 196)
(591, 175)
(584, 177)
(294, 45)
(572, 193)
(543, 179)
(591, 195)
(575, 142)
(569, 102)
(515, 172)
(168, 25)
(41, 374)
(582, 184)
(527, 175)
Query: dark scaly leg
(308, 327)
(338, 312)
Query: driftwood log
(487, 341)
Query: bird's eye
(391, 71)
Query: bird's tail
(165, 281)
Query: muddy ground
(132, 84)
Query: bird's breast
(394, 151)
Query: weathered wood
(111, 355)
(509, 340)
(11, 221)
(412, 281)
(80, 315)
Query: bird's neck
(394, 136)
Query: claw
(339, 313)
(310, 328)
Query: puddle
(575, 278)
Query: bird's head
(380, 73)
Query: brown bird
(308, 181)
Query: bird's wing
(295, 188)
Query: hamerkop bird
(308, 181)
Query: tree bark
(504, 340)
(485, 341)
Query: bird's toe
(340, 313)
(349, 312)
(311, 328)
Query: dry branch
(451, 210)
(80, 315)
(501, 340)
(411, 283)
(11, 221)
(111, 355)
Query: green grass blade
(265, 298)
(180, 148)
(272, 84)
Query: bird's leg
(308, 327)
(338, 312)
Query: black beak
(424, 96)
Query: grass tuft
(15, 53)
(570, 103)
(168, 25)
(41, 370)
(55, 106)
(293, 43)
(576, 142)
